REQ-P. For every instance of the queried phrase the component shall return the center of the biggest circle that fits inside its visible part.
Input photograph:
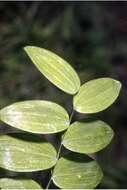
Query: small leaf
(55, 69)
(36, 116)
(8, 183)
(26, 153)
(77, 171)
(96, 95)
(88, 136)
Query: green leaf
(36, 116)
(77, 171)
(55, 69)
(96, 95)
(88, 136)
(8, 183)
(26, 153)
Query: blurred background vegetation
(92, 37)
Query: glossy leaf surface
(26, 153)
(55, 69)
(8, 183)
(36, 116)
(88, 136)
(77, 171)
(96, 95)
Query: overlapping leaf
(26, 153)
(36, 116)
(77, 171)
(55, 69)
(8, 183)
(96, 95)
(88, 136)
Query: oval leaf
(96, 95)
(88, 136)
(77, 171)
(8, 183)
(55, 69)
(36, 116)
(26, 153)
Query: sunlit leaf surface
(77, 171)
(88, 136)
(8, 183)
(26, 153)
(36, 116)
(55, 69)
(96, 95)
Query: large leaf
(87, 136)
(26, 153)
(96, 95)
(53, 67)
(36, 116)
(77, 171)
(8, 183)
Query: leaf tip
(118, 85)
(27, 48)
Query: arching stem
(59, 151)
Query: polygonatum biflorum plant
(29, 152)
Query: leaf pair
(74, 168)
(25, 153)
(93, 96)
(46, 117)
(37, 154)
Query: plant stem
(71, 116)
(58, 154)
(47, 187)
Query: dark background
(92, 37)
